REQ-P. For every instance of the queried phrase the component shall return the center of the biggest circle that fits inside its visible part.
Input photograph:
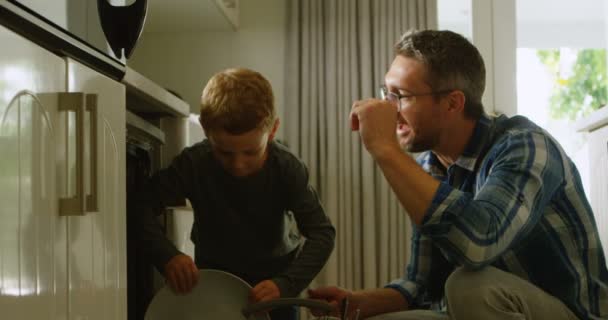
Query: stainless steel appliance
(99, 33)
(110, 26)
(143, 148)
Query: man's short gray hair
(452, 63)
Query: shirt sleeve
(313, 224)
(522, 172)
(165, 188)
(412, 284)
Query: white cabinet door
(33, 280)
(97, 240)
(56, 162)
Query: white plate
(218, 295)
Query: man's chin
(412, 147)
(408, 144)
(405, 143)
(417, 148)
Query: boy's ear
(202, 126)
(274, 129)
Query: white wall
(185, 61)
(455, 15)
(563, 23)
(551, 35)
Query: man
(503, 229)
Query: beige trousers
(490, 293)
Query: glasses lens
(390, 96)
(387, 95)
(383, 92)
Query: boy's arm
(166, 187)
(314, 224)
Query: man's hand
(264, 291)
(336, 297)
(376, 121)
(369, 302)
(181, 274)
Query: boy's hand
(264, 291)
(181, 274)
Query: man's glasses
(397, 98)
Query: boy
(242, 186)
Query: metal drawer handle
(93, 198)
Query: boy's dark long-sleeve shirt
(242, 224)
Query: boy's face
(243, 154)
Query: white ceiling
(184, 16)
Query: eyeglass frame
(384, 95)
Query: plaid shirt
(513, 200)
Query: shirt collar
(481, 135)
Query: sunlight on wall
(12, 78)
(568, 26)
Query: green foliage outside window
(581, 91)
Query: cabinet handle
(76, 205)
(80, 103)
(92, 199)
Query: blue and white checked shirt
(513, 200)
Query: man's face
(419, 118)
(243, 154)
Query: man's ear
(274, 129)
(456, 100)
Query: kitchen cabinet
(203, 15)
(62, 182)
